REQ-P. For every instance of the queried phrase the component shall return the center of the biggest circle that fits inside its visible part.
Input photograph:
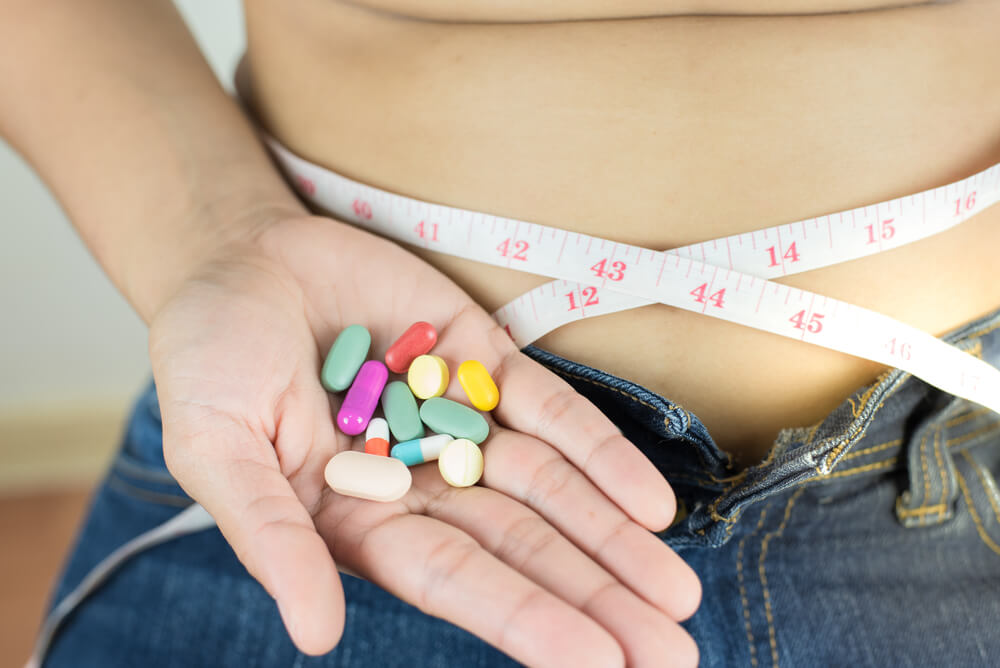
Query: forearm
(113, 104)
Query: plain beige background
(72, 352)
(72, 357)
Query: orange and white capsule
(377, 437)
(478, 385)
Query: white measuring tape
(725, 278)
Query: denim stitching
(970, 341)
(922, 511)
(713, 509)
(995, 426)
(763, 576)
(874, 448)
(743, 589)
(863, 419)
(608, 387)
(854, 435)
(885, 463)
(860, 423)
(975, 516)
(672, 409)
(867, 395)
(923, 467)
(943, 471)
(670, 406)
(731, 524)
(990, 493)
(858, 432)
(964, 417)
(881, 464)
(736, 479)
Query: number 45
(814, 325)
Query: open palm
(549, 559)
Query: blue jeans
(869, 539)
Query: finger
(539, 403)
(537, 475)
(535, 401)
(445, 573)
(230, 469)
(530, 545)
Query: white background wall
(66, 335)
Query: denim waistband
(897, 422)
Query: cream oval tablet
(366, 476)
(461, 463)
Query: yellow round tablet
(428, 376)
(461, 463)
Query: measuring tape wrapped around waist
(725, 278)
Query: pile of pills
(380, 473)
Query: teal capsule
(400, 408)
(346, 356)
(420, 450)
(449, 417)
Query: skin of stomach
(664, 131)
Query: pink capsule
(415, 341)
(362, 398)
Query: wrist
(203, 234)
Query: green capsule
(400, 408)
(346, 356)
(449, 417)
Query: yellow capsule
(478, 385)
(428, 376)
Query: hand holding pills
(427, 377)
(549, 556)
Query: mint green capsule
(400, 408)
(450, 417)
(346, 356)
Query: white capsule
(377, 428)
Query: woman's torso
(663, 131)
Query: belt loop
(932, 492)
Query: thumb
(234, 474)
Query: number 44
(699, 294)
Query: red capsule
(416, 341)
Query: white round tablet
(461, 463)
